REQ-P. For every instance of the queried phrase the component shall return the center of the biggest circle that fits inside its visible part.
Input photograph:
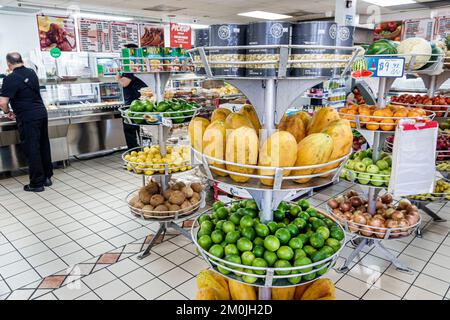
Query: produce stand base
(423, 206)
(377, 243)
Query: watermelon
(359, 64)
(435, 50)
(382, 46)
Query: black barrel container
(344, 38)
(319, 33)
(266, 33)
(227, 35)
(201, 39)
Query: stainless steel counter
(73, 130)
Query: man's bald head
(14, 58)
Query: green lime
(251, 212)
(219, 224)
(295, 243)
(228, 226)
(286, 221)
(249, 279)
(329, 251)
(309, 250)
(203, 217)
(235, 218)
(285, 253)
(320, 216)
(231, 249)
(317, 240)
(207, 225)
(283, 235)
(258, 241)
(304, 204)
(293, 230)
(303, 262)
(217, 205)
(329, 222)
(295, 210)
(243, 244)
(216, 250)
(324, 231)
(241, 212)
(247, 258)
(318, 223)
(318, 256)
(246, 221)
(282, 264)
(273, 226)
(221, 212)
(283, 206)
(262, 230)
(295, 280)
(299, 222)
(304, 216)
(312, 212)
(278, 215)
(321, 270)
(249, 233)
(299, 253)
(258, 251)
(234, 259)
(309, 277)
(203, 232)
(333, 243)
(260, 263)
(251, 204)
(223, 270)
(234, 207)
(233, 236)
(217, 236)
(270, 257)
(336, 233)
(256, 221)
(272, 243)
(242, 203)
(205, 242)
(281, 225)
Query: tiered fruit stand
(162, 121)
(271, 97)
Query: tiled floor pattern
(169, 272)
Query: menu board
(180, 36)
(95, 36)
(123, 33)
(442, 27)
(56, 32)
(421, 28)
(151, 35)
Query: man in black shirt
(20, 89)
(131, 86)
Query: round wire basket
(152, 118)
(440, 110)
(276, 178)
(269, 278)
(164, 215)
(374, 180)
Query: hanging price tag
(378, 66)
(391, 67)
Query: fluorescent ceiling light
(197, 26)
(264, 15)
(389, 3)
(88, 15)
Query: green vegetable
(382, 46)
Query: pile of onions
(351, 209)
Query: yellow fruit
(127, 157)
(279, 150)
(240, 291)
(283, 293)
(321, 119)
(295, 125)
(306, 118)
(319, 289)
(220, 114)
(133, 153)
(207, 294)
(196, 129)
(250, 113)
(341, 133)
(209, 279)
(300, 290)
(214, 141)
(314, 149)
(242, 147)
(237, 120)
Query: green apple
(360, 166)
(363, 178)
(379, 181)
(369, 153)
(350, 164)
(388, 160)
(382, 164)
(367, 161)
(373, 169)
(343, 174)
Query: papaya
(207, 294)
(220, 114)
(293, 124)
(242, 147)
(341, 133)
(283, 293)
(321, 119)
(327, 298)
(240, 291)
(279, 150)
(196, 128)
(319, 289)
(236, 120)
(214, 141)
(300, 290)
(250, 113)
(306, 118)
(314, 149)
(206, 279)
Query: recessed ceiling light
(88, 15)
(264, 15)
(389, 3)
(198, 26)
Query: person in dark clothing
(131, 86)
(20, 89)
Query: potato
(144, 196)
(187, 191)
(152, 187)
(174, 207)
(197, 187)
(194, 201)
(148, 208)
(161, 207)
(138, 205)
(156, 200)
(196, 196)
(177, 197)
(133, 200)
(186, 205)
(167, 194)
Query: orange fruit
(386, 127)
(372, 126)
(413, 114)
(364, 112)
(402, 113)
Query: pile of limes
(298, 236)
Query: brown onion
(356, 201)
(366, 231)
(352, 193)
(340, 199)
(412, 220)
(352, 227)
(378, 216)
(337, 211)
(387, 198)
(404, 224)
(391, 224)
(388, 213)
(360, 219)
(377, 224)
(333, 204)
(379, 205)
(345, 206)
(397, 215)
(404, 203)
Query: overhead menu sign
(56, 32)
(123, 33)
(151, 35)
(441, 27)
(95, 36)
(421, 28)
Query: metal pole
(265, 293)
(266, 204)
(432, 88)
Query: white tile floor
(83, 215)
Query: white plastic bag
(414, 158)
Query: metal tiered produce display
(162, 172)
(271, 96)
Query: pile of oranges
(383, 119)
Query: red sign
(180, 36)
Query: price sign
(391, 67)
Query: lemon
(127, 157)
(133, 153)
(149, 172)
